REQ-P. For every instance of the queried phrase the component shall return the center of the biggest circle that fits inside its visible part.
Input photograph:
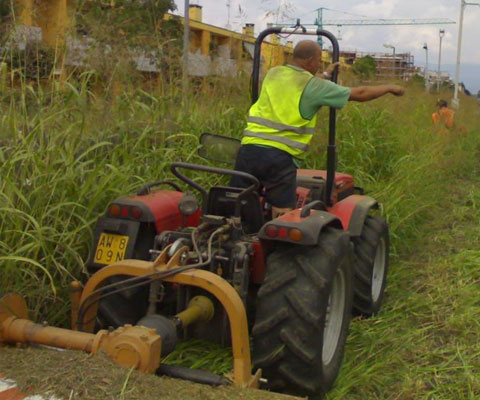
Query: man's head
(442, 104)
(308, 55)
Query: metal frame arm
(212, 283)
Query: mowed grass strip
(424, 343)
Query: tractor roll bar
(301, 30)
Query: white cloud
(376, 8)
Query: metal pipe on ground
(130, 346)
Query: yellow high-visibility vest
(275, 119)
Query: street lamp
(389, 46)
(463, 4)
(425, 47)
(441, 34)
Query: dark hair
(442, 103)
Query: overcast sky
(368, 38)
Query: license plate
(110, 248)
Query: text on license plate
(110, 248)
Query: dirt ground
(76, 375)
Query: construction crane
(320, 22)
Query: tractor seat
(315, 184)
(221, 201)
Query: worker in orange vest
(445, 116)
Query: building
(398, 66)
(213, 50)
(219, 51)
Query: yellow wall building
(53, 17)
(219, 51)
(213, 50)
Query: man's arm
(367, 93)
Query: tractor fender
(310, 226)
(352, 211)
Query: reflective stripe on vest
(280, 139)
(282, 127)
(275, 119)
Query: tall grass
(66, 152)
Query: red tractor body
(138, 219)
(294, 278)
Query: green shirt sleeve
(322, 92)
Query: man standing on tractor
(282, 121)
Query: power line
(329, 9)
(345, 12)
(398, 21)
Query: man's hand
(327, 74)
(397, 90)
(331, 68)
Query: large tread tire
(371, 251)
(293, 310)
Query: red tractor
(296, 276)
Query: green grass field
(67, 150)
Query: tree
(418, 80)
(365, 67)
(278, 12)
(133, 21)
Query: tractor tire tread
(276, 283)
(288, 345)
(309, 270)
(303, 309)
(296, 379)
(295, 346)
(365, 248)
(271, 358)
(270, 322)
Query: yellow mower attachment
(134, 346)
(197, 309)
(129, 346)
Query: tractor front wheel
(303, 314)
(371, 265)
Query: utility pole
(463, 4)
(441, 35)
(186, 46)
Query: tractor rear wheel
(371, 251)
(303, 314)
